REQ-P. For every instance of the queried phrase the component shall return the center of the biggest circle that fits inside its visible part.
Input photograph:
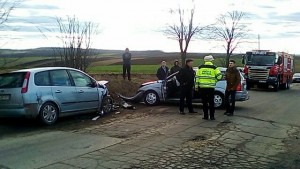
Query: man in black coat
(186, 78)
(175, 68)
(126, 64)
(162, 71)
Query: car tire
(151, 98)
(106, 105)
(219, 100)
(48, 113)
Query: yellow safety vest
(208, 75)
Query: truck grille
(258, 74)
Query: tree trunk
(183, 58)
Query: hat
(208, 58)
(188, 60)
(176, 60)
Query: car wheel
(151, 98)
(106, 106)
(219, 100)
(48, 113)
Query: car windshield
(296, 75)
(12, 80)
(260, 59)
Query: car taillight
(246, 70)
(25, 83)
(273, 71)
(239, 87)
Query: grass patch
(12, 61)
(143, 69)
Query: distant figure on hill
(162, 71)
(175, 68)
(126, 64)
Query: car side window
(80, 79)
(42, 79)
(60, 78)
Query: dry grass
(127, 88)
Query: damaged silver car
(168, 91)
(51, 92)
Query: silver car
(168, 91)
(49, 93)
(296, 78)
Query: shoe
(212, 118)
(230, 114)
(205, 118)
(182, 113)
(226, 113)
(193, 112)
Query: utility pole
(258, 38)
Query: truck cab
(265, 68)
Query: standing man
(162, 71)
(186, 78)
(233, 79)
(126, 64)
(175, 68)
(206, 79)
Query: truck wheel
(151, 98)
(276, 87)
(288, 84)
(248, 86)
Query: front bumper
(242, 96)
(296, 80)
(269, 81)
(134, 99)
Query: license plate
(4, 97)
(262, 81)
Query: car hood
(102, 82)
(148, 83)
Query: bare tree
(231, 30)
(183, 31)
(6, 7)
(76, 41)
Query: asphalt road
(27, 144)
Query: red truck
(264, 68)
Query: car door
(86, 93)
(64, 93)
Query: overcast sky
(136, 23)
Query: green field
(142, 65)
(143, 69)
(11, 61)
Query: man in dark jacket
(233, 79)
(126, 64)
(175, 68)
(162, 71)
(186, 78)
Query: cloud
(294, 17)
(266, 6)
(38, 7)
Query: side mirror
(279, 61)
(94, 84)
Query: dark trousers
(231, 94)
(186, 92)
(126, 68)
(207, 95)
